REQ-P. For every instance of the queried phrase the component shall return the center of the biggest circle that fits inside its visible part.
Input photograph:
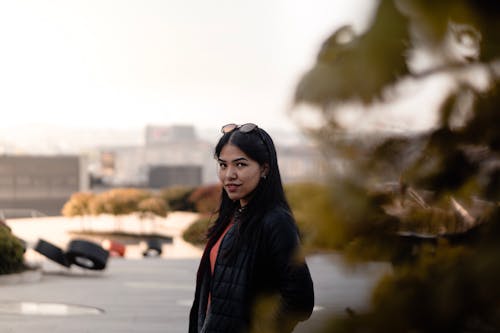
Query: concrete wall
(42, 183)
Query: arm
(291, 271)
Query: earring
(263, 177)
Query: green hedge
(11, 252)
(196, 232)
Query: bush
(176, 197)
(11, 252)
(206, 199)
(196, 232)
(119, 201)
(78, 205)
(152, 206)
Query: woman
(252, 277)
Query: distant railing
(13, 213)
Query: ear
(264, 170)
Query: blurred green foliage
(196, 233)
(448, 289)
(11, 252)
(427, 201)
(349, 67)
(313, 210)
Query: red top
(215, 249)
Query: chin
(234, 197)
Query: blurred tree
(428, 200)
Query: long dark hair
(269, 193)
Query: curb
(29, 276)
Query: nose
(231, 172)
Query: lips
(232, 187)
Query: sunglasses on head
(245, 128)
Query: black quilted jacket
(266, 287)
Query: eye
(222, 165)
(241, 164)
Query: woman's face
(238, 173)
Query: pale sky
(128, 63)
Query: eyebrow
(235, 160)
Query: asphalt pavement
(153, 295)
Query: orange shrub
(206, 198)
(79, 204)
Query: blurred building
(300, 163)
(174, 155)
(171, 155)
(39, 184)
(171, 175)
(169, 134)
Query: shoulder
(279, 225)
(278, 217)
